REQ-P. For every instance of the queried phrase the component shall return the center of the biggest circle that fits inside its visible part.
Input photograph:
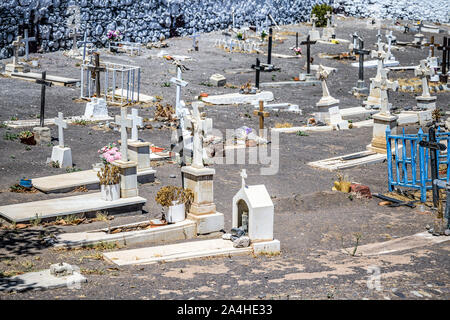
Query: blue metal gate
(409, 163)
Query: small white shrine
(253, 211)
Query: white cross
(379, 37)
(380, 55)
(26, 40)
(424, 70)
(16, 45)
(136, 122)
(243, 176)
(384, 84)
(194, 40)
(389, 38)
(313, 21)
(124, 123)
(178, 105)
(328, 16)
(61, 125)
(198, 123)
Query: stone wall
(138, 20)
(428, 10)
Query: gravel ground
(312, 223)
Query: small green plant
(36, 221)
(28, 148)
(3, 125)
(263, 35)
(55, 164)
(25, 134)
(302, 133)
(206, 84)
(72, 169)
(239, 36)
(358, 237)
(166, 84)
(14, 118)
(320, 10)
(273, 77)
(80, 122)
(10, 136)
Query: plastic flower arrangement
(110, 153)
(114, 35)
(297, 51)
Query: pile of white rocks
(427, 10)
(140, 21)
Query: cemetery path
(312, 223)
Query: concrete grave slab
(348, 161)
(142, 97)
(417, 240)
(175, 252)
(374, 64)
(52, 208)
(88, 178)
(41, 280)
(57, 81)
(238, 98)
(178, 231)
(51, 121)
(289, 83)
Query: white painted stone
(96, 108)
(218, 80)
(268, 247)
(238, 98)
(208, 223)
(63, 156)
(42, 280)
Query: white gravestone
(253, 211)
(61, 153)
(138, 151)
(425, 101)
(96, 108)
(327, 101)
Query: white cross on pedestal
(243, 176)
(198, 124)
(328, 17)
(384, 84)
(179, 82)
(389, 38)
(322, 75)
(124, 123)
(61, 125)
(136, 122)
(16, 45)
(26, 40)
(424, 70)
(380, 54)
(313, 21)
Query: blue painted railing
(409, 163)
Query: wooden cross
(432, 45)
(17, 44)
(262, 114)
(136, 121)
(124, 123)
(95, 73)
(44, 83)
(26, 40)
(61, 125)
(308, 53)
(445, 47)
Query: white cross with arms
(61, 125)
(124, 123)
(136, 122)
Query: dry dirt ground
(312, 223)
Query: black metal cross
(361, 53)
(269, 49)
(434, 146)
(296, 40)
(95, 72)
(308, 53)
(44, 83)
(258, 70)
(445, 59)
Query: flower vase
(110, 192)
(176, 213)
